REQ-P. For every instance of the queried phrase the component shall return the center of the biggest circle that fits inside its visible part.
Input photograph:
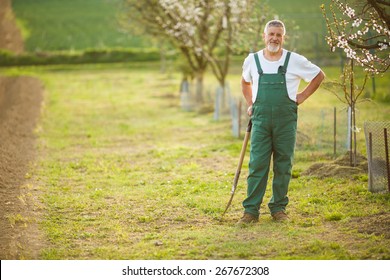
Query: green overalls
(274, 125)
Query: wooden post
(349, 140)
(370, 174)
(334, 132)
(387, 158)
(352, 95)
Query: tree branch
(366, 47)
(381, 11)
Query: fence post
(378, 153)
(370, 173)
(185, 96)
(349, 140)
(387, 158)
(217, 104)
(235, 117)
(334, 132)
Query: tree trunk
(354, 135)
(163, 60)
(224, 102)
(352, 83)
(199, 87)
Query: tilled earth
(20, 105)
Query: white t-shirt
(298, 68)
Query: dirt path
(11, 37)
(20, 103)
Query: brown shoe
(248, 219)
(280, 216)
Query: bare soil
(11, 37)
(378, 224)
(20, 103)
(341, 168)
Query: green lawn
(123, 173)
(72, 25)
(82, 24)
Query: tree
(205, 31)
(362, 31)
(351, 96)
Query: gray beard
(272, 48)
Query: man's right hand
(249, 111)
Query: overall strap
(287, 60)
(259, 70)
(283, 69)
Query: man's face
(274, 38)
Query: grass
(125, 174)
(72, 25)
(82, 24)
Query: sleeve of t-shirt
(246, 69)
(305, 69)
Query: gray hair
(276, 23)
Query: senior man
(270, 81)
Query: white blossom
(383, 46)
(357, 22)
(362, 35)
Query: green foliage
(305, 28)
(55, 25)
(81, 24)
(82, 57)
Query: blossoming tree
(205, 31)
(362, 31)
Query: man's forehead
(275, 29)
